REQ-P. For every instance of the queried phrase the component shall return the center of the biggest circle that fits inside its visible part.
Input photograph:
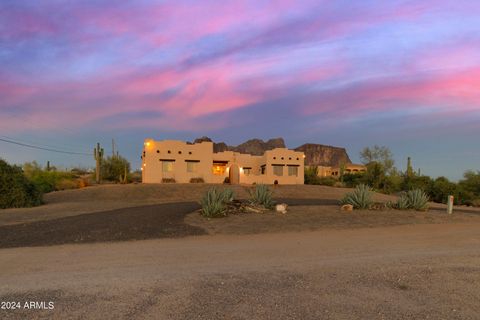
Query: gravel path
(402, 272)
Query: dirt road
(402, 272)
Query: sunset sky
(405, 74)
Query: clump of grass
(214, 202)
(360, 198)
(261, 195)
(414, 199)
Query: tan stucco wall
(156, 151)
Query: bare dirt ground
(46, 225)
(315, 262)
(109, 197)
(402, 272)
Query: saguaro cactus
(98, 155)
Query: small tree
(378, 154)
(115, 168)
(375, 175)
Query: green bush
(214, 202)
(414, 199)
(360, 198)
(262, 195)
(16, 190)
(197, 180)
(48, 181)
(351, 180)
(442, 188)
(311, 175)
(115, 168)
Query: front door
(234, 174)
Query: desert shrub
(226, 180)
(375, 175)
(442, 188)
(475, 203)
(197, 180)
(214, 202)
(136, 176)
(424, 183)
(414, 199)
(351, 180)
(311, 175)
(15, 189)
(67, 184)
(48, 181)
(168, 180)
(262, 195)
(115, 168)
(327, 181)
(360, 198)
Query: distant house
(350, 168)
(182, 162)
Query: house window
(247, 171)
(192, 166)
(277, 170)
(293, 171)
(167, 165)
(219, 168)
(262, 169)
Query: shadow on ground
(146, 222)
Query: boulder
(347, 207)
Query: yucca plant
(360, 198)
(214, 202)
(262, 195)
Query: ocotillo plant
(98, 155)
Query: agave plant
(417, 199)
(414, 199)
(214, 202)
(360, 198)
(262, 195)
(403, 203)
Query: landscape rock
(282, 208)
(347, 207)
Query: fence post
(450, 205)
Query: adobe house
(181, 162)
(353, 168)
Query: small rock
(282, 208)
(347, 207)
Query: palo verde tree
(378, 154)
(115, 168)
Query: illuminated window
(293, 171)
(167, 166)
(278, 170)
(219, 168)
(192, 166)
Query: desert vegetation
(219, 203)
(382, 176)
(15, 189)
